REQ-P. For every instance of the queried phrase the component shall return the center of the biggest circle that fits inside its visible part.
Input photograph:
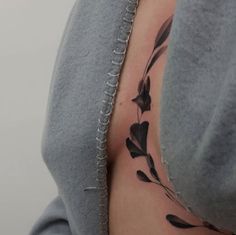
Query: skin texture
(136, 206)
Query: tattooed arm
(142, 199)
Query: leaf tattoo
(179, 223)
(210, 226)
(138, 132)
(134, 150)
(152, 168)
(163, 32)
(156, 56)
(142, 176)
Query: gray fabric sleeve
(53, 220)
(75, 101)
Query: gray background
(30, 35)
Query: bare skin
(136, 207)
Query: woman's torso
(137, 207)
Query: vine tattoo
(137, 142)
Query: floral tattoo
(137, 142)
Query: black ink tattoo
(137, 142)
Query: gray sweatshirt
(197, 117)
